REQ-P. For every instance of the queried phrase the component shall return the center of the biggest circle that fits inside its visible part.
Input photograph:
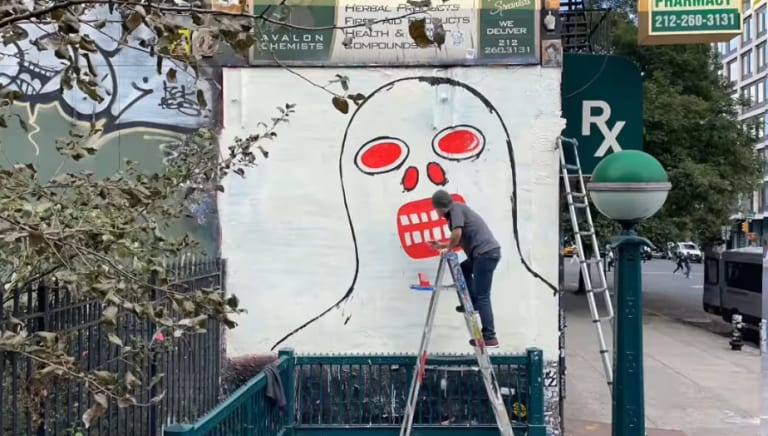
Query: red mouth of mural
(418, 223)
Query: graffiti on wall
(142, 114)
(552, 398)
(341, 209)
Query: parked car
(689, 249)
(569, 250)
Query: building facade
(745, 62)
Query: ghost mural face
(410, 138)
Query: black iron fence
(185, 370)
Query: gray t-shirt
(476, 237)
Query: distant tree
(691, 127)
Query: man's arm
(457, 222)
(455, 240)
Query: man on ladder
(472, 281)
(470, 232)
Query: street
(668, 295)
(695, 385)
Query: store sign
(695, 16)
(602, 105)
(688, 21)
(475, 33)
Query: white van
(689, 249)
(742, 284)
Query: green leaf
(96, 410)
(109, 316)
(341, 104)
(114, 339)
(105, 377)
(418, 31)
(126, 401)
(201, 102)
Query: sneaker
(460, 309)
(489, 343)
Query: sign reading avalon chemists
(377, 32)
(694, 16)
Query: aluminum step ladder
(451, 261)
(578, 200)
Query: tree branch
(178, 9)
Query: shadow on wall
(143, 116)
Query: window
(764, 155)
(733, 44)
(760, 18)
(722, 47)
(746, 276)
(711, 272)
(733, 72)
(760, 53)
(746, 35)
(765, 195)
(755, 126)
(759, 93)
(748, 94)
(747, 5)
(746, 64)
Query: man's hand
(442, 248)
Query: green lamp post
(629, 186)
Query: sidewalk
(694, 383)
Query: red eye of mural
(410, 179)
(458, 142)
(436, 174)
(381, 155)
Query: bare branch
(179, 9)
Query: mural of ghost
(414, 134)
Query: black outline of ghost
(432, 81)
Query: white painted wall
(286, 233)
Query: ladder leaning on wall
(578, 200)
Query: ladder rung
(578, 194)
(572, 167)
(592, 261)
(579, 205)
(602, 318)
(598, 290)
(585, 233)
(448, 287)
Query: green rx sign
(602, 98)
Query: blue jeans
(478, 273)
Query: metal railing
(190, 365)
(247, 411)
(356, 394)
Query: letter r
(588, 119)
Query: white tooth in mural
(424, 217)
(446, 231)
(403, 220)
(408, 240)
(427, 235)
(414, 218)
(434, 216)
(416, 237)
(438, 232)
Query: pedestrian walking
(679, 262)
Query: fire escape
(584, 29)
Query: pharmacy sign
(691, 17)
